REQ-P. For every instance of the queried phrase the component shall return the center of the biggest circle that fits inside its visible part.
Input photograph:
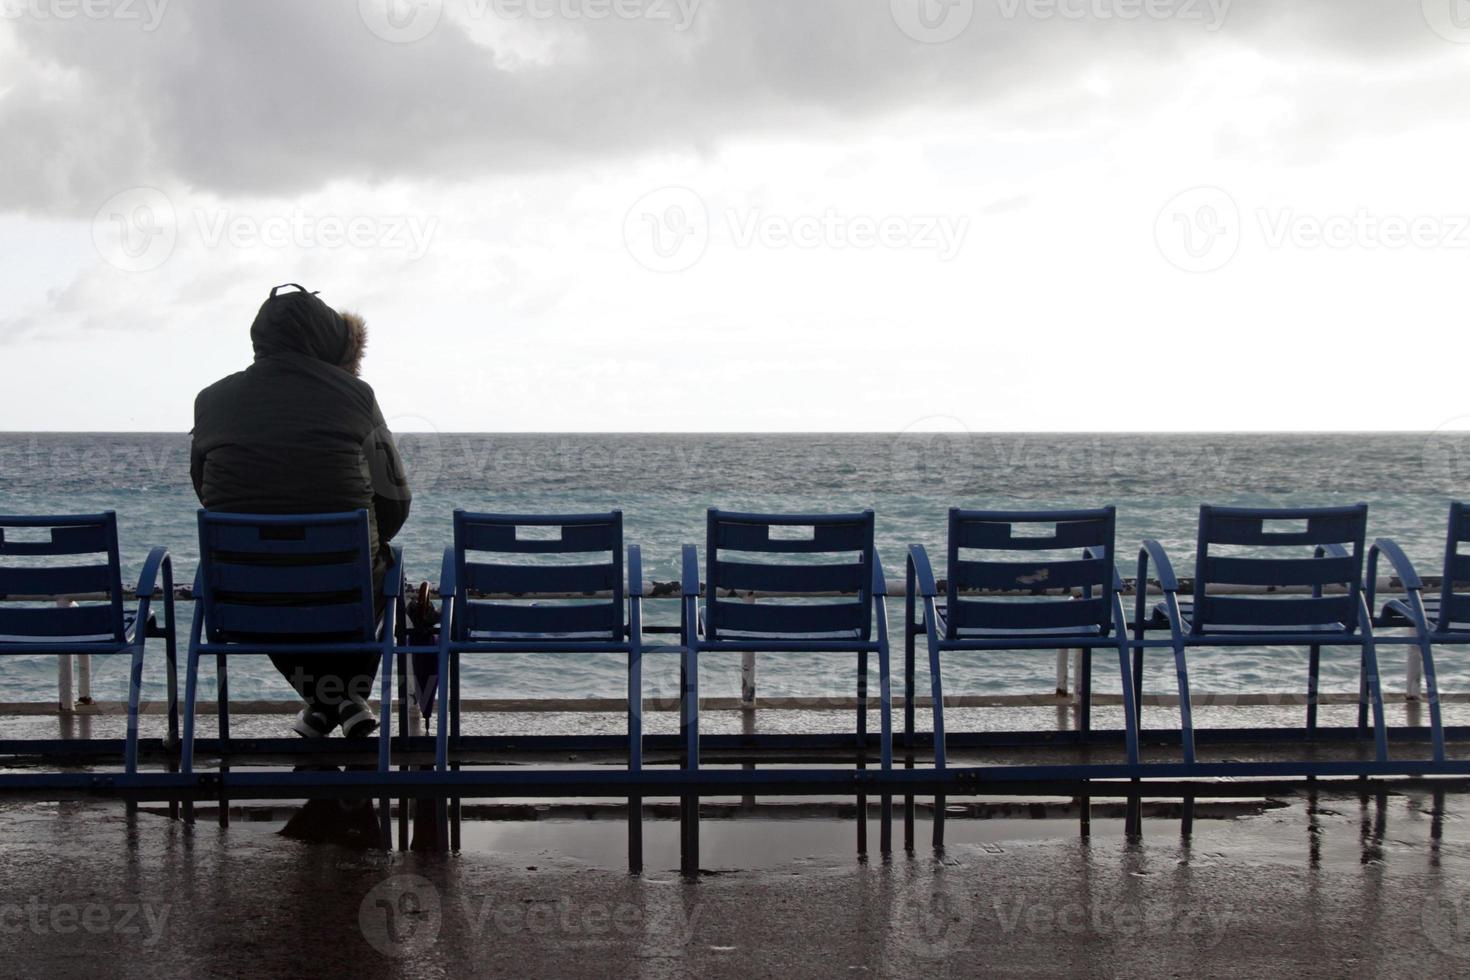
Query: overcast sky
(578, 215)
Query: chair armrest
(635, 572)
(1402, 567)
(689, 580)
(393, 581)
(148, 577)
(446, 575)
(924, 575)
(880, 584)
(1332, 551)
(1154, 552)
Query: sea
(664, 484)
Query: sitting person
(298, 432)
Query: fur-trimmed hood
(300, 323)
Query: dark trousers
(325, 680)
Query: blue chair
(299, 582)
(97, 623)
(1439, 618)
(1069, 598)
(508, 605)
(1321, 550)
(798, 616)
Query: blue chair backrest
(553, 552)
(1454, 605)
(306, 576)
(756, 540)
(1275, 547)
(1063, 533)
(51, 557)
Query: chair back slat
(91, 622)
(579, 533)
(1293, 563)
(41, 559)
(336, 620)
(539, 539)
(825, 617)
(274, 577)
(55, 580)
(1280, 572)
(543, 620)
(796, 539)
(1065, 533)
(1288, 611)
(1028, 614)
(758, 577)
(1454, 590)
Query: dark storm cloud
(284, 96)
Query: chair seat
(1186, 615)
(497, 636)
(1396, 613)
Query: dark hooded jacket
(294, 433)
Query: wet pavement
(1340, 884)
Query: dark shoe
(356, 718)
(313, 723)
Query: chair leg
(1314, 673)
(135, 689)
(1431, 690)
(385, 711)
(1186, 713)
(1084, 693)
(441, 732)
(1130, 707)
(909, 643)
(885, 734)
(1374, 690)
(1138, 684)
(223, 687)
